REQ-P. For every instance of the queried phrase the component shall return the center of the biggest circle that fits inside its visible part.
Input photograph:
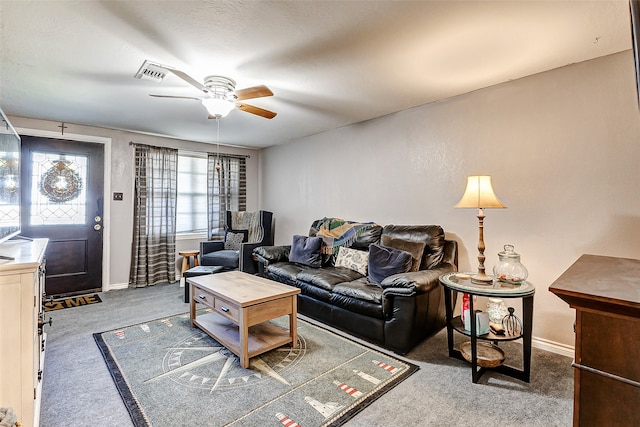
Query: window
(191, 209)
(224, 177)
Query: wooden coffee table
(242, 305)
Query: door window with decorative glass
(58, 184)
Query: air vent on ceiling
(151, 71)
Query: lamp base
(481, 279)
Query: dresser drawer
(203, 297)
(227, 309)
(605, 344)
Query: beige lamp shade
(479, 194)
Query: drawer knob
(202, 296)
(225, 309)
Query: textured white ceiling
(329, 63)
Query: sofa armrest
(418, 281)
(211, 246)
(408, 291)
(246, 262)
(269, 254)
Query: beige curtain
(154, 231)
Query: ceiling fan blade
(255, 110)
(175, 96)
(187, 78)
(253, 92)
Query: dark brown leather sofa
(397, 313)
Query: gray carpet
(78, 389)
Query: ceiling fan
(220, 94)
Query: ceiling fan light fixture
(218, 107)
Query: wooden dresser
(21, 341)
(605, 293)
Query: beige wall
(563, 149)
(119, 170)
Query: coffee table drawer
(203, 297)
(226, 309)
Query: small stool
(201, 270)
(186, 259)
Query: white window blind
(191, 209)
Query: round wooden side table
(186, 260)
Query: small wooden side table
(186, 260)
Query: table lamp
(479, 194)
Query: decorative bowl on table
(489, 355)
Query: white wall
(118, 221)
(563, 149)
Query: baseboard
(115, 286)
(553, 347)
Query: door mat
(170, 374)
(60, 304)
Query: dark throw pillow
(385, 262)
(306, 250)
(233, 239)
(416, 249)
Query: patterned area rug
(170, 374)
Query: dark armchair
(244, 231)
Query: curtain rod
(242, 156)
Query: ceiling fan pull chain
(218, 166)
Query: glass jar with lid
(509, 269)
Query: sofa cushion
(431, 235)
(284, 272)
(414, 248)
(337, 233)
(313, 291)
(354, 259)
(367, 237)
(359, 296)
(306, 251)
(327, 277)
(226, 258)
(385, 262)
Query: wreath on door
(60, 183)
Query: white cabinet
(21, 342)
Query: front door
(63, 201)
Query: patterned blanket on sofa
(336, 232)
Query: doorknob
(97, 227)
